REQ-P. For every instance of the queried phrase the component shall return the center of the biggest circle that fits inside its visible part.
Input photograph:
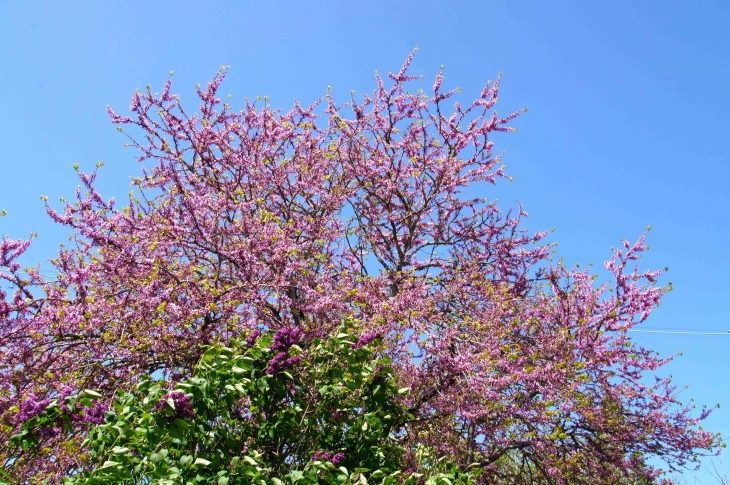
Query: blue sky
(627, 124)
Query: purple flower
(46, 432)
(31, 408)
(182, 404)
(285, 338)
(365, 339)
(176, 376)
(280, 363)
(322, 455)
(251, 340)
(327, 456)
(276, 363)
(95, 415)
(72, 412)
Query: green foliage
(331, 413)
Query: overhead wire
(680, 331)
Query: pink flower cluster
(335, 459)
(251, 339)
(280, 363)
(365, 339)
(285, 338)
(182, 405)
(96, 413)
(30, 408)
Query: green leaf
(92, 394)
(201, 462)
(262, 384)
(4, 474)
(223, 480)
(186, 460)
(120, 450)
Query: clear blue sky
(627, 126)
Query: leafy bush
(274, 408)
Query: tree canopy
(267, 220)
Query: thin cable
(680, 332)
(679, 329)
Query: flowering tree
(267, 219)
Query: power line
(680, 329)
(683, 332)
